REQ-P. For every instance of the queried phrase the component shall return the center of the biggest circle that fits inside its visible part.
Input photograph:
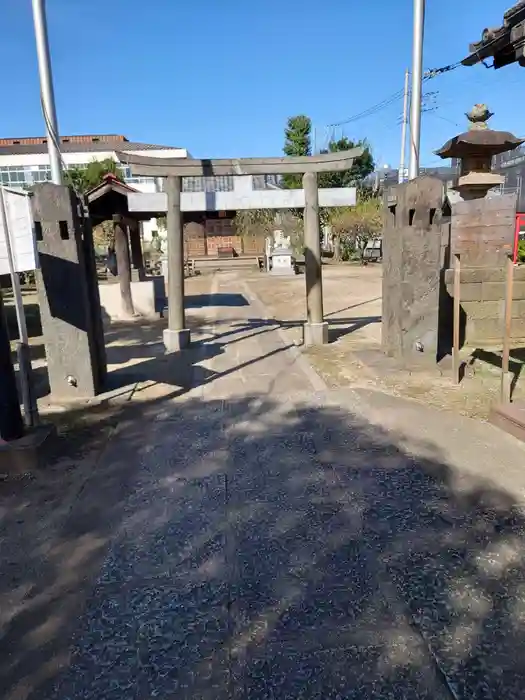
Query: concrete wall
(483, 301)
(148, 299)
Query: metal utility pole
(416, 93)
(46, 90)
(401, 177)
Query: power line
(371, 110)
(394, 97)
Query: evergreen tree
(297, 142)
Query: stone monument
(68, 294)
(416, 318)
(283, 261)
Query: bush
(521, 251)
(349, 251)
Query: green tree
(356, 225)
(297, 142)
(362, 167)
(264, 223)
(83, 179)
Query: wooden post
(456, 362)
(123, 265)
(506, 377)
(11, 424)
(137, 259)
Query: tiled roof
(75, 138)
(83, 148)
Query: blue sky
(220, 77)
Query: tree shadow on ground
(128, 343)
(196, 301)
(135, 350)
(342, 327)
(516, 362)
(254, 549)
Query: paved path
(280, 541)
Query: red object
(520, 226)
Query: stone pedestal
(283, 262)
(174, 341)
(315, 334)
(146, 302)
(68, 294)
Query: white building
(25, 161)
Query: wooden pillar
(176, 336)
(123, 265)
(11, 423)
(137, 259)
(315, 329)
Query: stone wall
(483, 301)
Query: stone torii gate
(177, 336)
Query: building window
(265, 182)
(213, 183)
(192, 184)
(219, 183)
(27, 175)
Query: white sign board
(21, 230)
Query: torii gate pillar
(176, 335)
(315, 328)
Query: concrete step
(225, 263)
(509, 417)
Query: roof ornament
(478, 117)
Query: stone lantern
(475, 149)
